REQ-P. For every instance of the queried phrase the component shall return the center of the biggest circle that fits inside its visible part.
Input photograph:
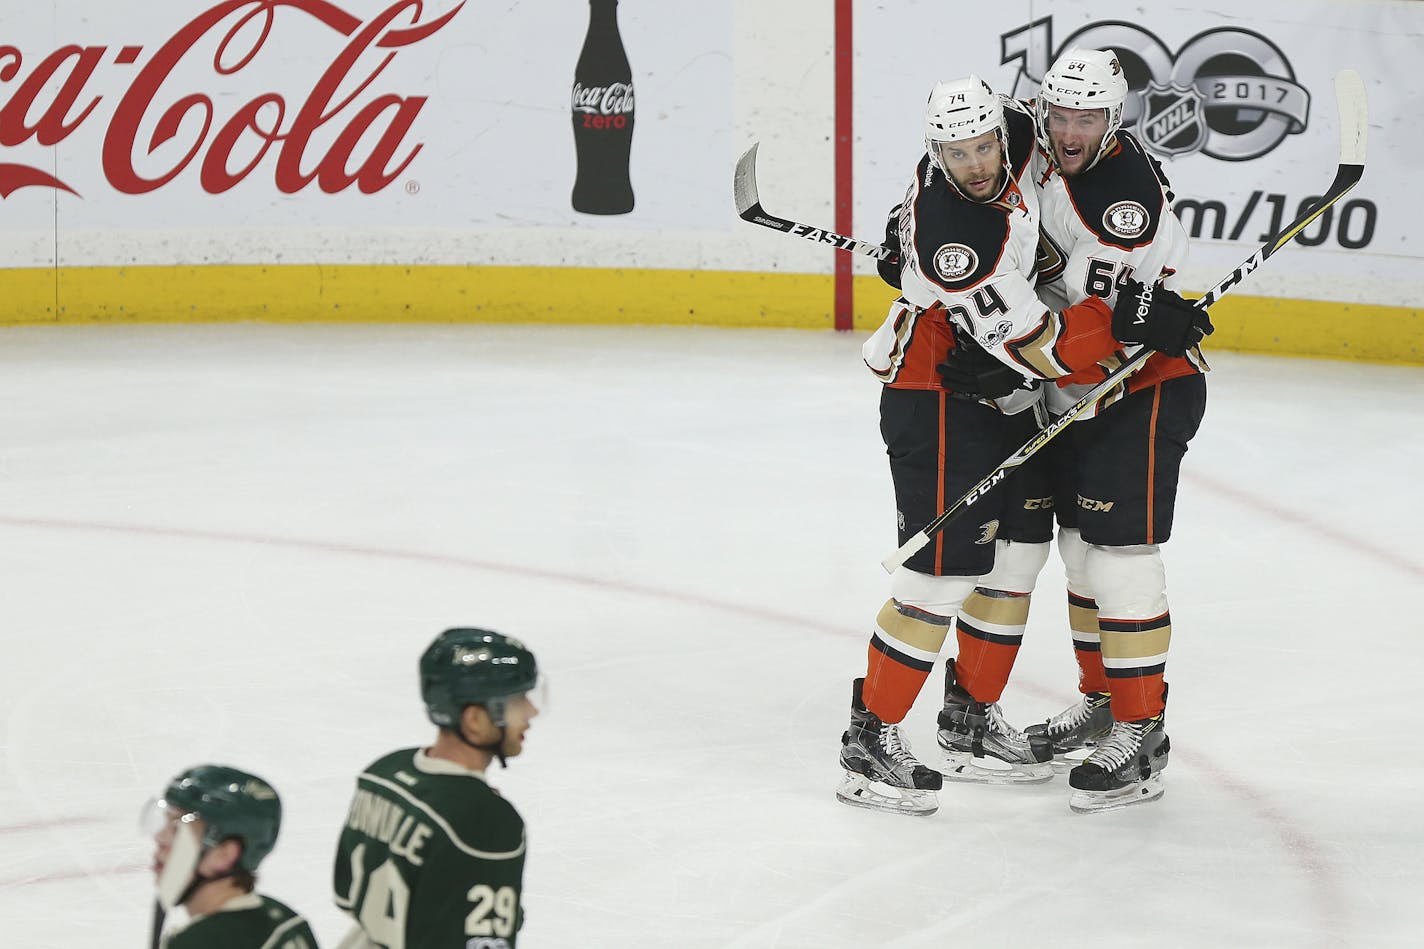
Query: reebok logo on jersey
(1126, 219)
(955, 261)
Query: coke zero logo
(613, 99)
(326, 136)
(1229, 93)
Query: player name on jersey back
(388, 822)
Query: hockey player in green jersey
(213, 826)
(432, 857)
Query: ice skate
(1125, 768)
(981, 746)
(881, 773)
(1076, 730)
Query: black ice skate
(1125, 768)
(881, 773)
(1075, 730)
(982, 747)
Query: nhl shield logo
(1173, 122)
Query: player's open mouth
(1071, 152)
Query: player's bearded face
(976, 164)
(1076, 136)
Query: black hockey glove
(969, 372)
(1158, 319)
(890, 272)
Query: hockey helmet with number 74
(959, 110)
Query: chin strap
(200, 881)
(494, 748)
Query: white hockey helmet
(1084, 79)
(961, 109)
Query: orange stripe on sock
(1091, 677)
(1138, 697)
(890, 687)
(983, 668)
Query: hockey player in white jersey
(1109, 234)
(968, 230)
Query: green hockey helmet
(231, 803)
(467, 666)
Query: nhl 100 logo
(1227, 93)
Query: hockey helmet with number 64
(1084, 79)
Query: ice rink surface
(230, 544)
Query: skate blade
(859, 791)
(1142, 792)
(964, 767)
(1066, 761)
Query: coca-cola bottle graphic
(603, 116)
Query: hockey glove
(1158, 319)
(968, 372)
(890, 272)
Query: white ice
(230, 543)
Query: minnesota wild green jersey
(248, 922)
(431, 857)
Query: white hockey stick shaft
(744, 191)
(1354, 119)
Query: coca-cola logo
(613, 99)
(328, 135)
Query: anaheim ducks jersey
(1112, 222)
(974, 265)
(430, 856)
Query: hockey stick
(1350, 96)
(155, 936)
(744, 190)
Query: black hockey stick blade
(1354, 121)
(744, 192)
(155, 934)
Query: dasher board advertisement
(134, 133)
(1240, 110)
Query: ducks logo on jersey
(955, 261)
(1126, 219)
